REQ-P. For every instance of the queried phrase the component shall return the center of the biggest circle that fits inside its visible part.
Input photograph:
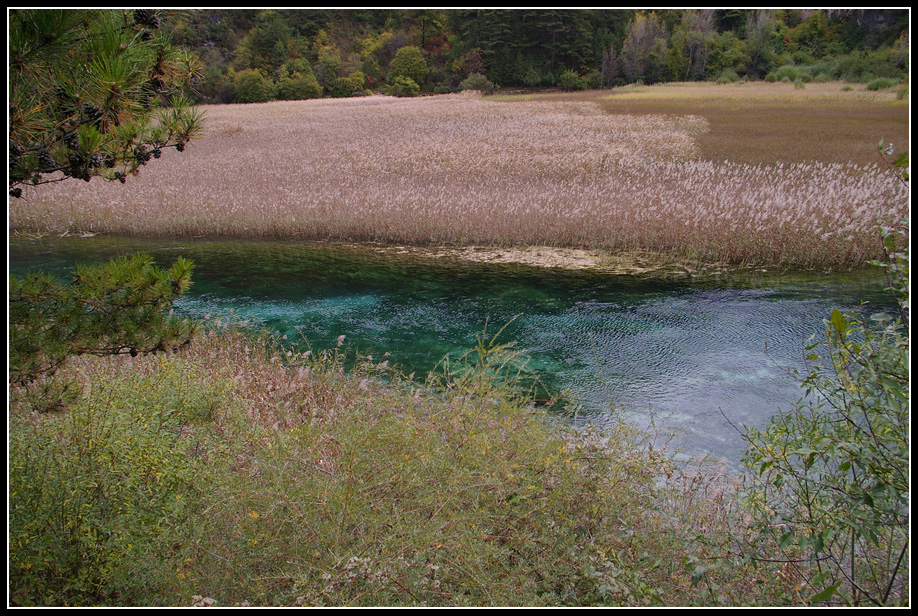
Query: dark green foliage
(122, 307)
(534, 47)
(570, 80)
(267, 41)
(93, 93)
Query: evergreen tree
(94, 93)
(122, 307)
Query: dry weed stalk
(461, 170)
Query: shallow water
(685, 353)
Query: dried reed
(465, 170)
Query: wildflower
(199, 601)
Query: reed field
(741, 173)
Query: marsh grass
(768, 123)
(634, 171)
(238, 473)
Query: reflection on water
(685, 353)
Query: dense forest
(252, 55)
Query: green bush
(251, 86)
(298, 86)
(571, 80)
(727, 76)
(830, 478)
(882, 83)
(351, 85)
(97, 494)
(864, 66)
(404, 86)
(532, 76)
(477, 81)
(788, 72)
(410, 62)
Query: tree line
(258, 55)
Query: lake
(686, 354)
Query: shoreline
(599, 260)
(555, 257)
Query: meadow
(760, 173)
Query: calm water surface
(682, 352)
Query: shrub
(830, 483)
(532, 76)
(351, 85)
(477, 81)
(570, 80)
(787, 72)
(864, 66)
(404, 86)
(299, 86)
(251, 86)
(96, 494)
(727, 76)
(409, 62)
(882, 83)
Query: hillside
(252, 55)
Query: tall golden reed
(459, 169)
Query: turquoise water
(684, 353)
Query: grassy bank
(238, 473)
(630, 171)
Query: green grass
(238, 474)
